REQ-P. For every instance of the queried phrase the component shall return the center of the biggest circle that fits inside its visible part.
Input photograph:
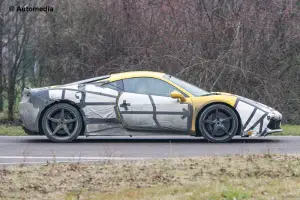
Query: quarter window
(115, 85)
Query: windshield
(194, 90)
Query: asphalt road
(38, 149)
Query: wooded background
(247, 47)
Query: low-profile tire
(62, 122)
(218, 123)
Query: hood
(272, 112)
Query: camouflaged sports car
(142, 103)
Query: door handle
(125, 105)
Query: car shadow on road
(154, 140)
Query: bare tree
(250, 48)
(1, 49)
(17, 36)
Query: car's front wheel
(62, 123)
(218, 123)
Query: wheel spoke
(226, 119)
(66, 129)
(62, 114)
(217, 113)
(224, 129)
(56, 129)
(208, 121)
(53, 119)
(67, 121)
(215, 130)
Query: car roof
(89, 80)
(134, 74)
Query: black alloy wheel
(218, 123)
(62, 123)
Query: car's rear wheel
(62, 123)
(218, 123)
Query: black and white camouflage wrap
(105, 110)
(255, 116)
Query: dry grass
(226, 177)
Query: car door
(146, 104)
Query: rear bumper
(29, 114)
(29, 132)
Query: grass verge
(290, 130)
(222, 177)
(11, 130)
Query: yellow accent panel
(200, 102)
(203, 100)
(119, 76)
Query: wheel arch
(213, 103)
(57, 102)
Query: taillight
(26, 91)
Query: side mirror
(177, 95)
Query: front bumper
(270, 124)
(270, 131)
(274, 126)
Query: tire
(218, 123)
(62, 123)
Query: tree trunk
(23, 79)
(1, 66)
(11, 96)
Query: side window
(150, 86)
(115, 85)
